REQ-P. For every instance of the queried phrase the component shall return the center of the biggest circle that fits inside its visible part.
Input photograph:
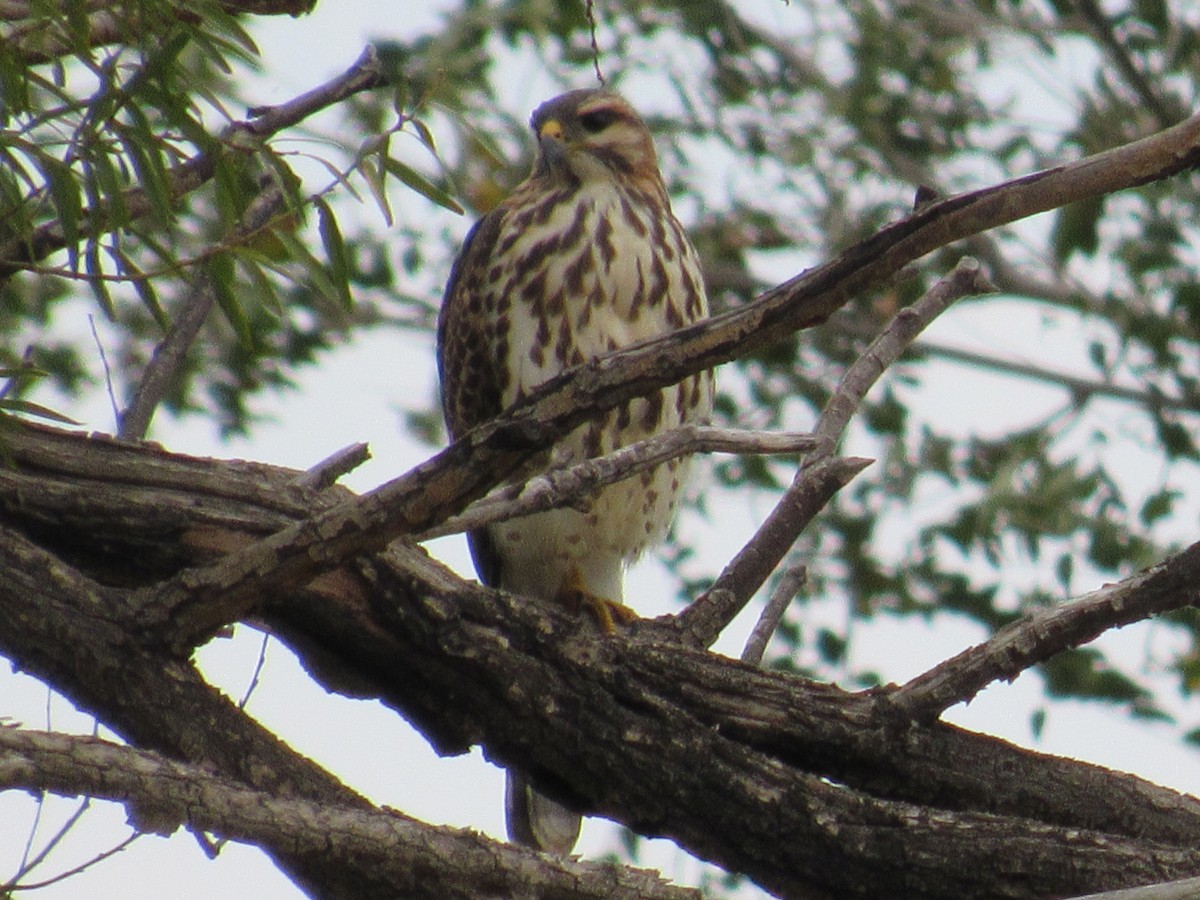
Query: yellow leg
(608, 613)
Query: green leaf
(1159, 505)
(1176, 440)
(1064, 569)
(335, 252)
(831, 646)
(314, 269)
(28, 408)
(1077, 229)
(220, 272)
(374, 177)
(142, 146)
(420, 183)
(96, 280)
(67, 198)
(1084, 673)
(143, 287)
(1037, 723)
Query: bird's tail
(537, 821)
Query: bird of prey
(585, 257)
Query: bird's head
(588, 134)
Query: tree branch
(785, 592)
(1148, 98)
(391, 854)
(760, 771)
(1039, 635)
(200, 601)
(1080, 389)
(701, 623)
(1185, 889)
(562, 486)
(747, 572)
(965, 279)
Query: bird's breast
(587, 274)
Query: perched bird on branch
(585, 257)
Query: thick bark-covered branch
(390, 854)
(74, 634)
(762, 772)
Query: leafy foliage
(127, 158)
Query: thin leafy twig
(34, 45)
(365, 74)
(171, 353)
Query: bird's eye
(598, 119)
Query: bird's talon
(608, 613)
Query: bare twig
(29, 860)
(1040, 635)
(108, 382)
(112, 851)
(775, 538)
(965, 279)
(558, 487)
(590, 13)
(1080, 389)
(325, 473)
(700, 623)
(785, 592)
(257, 673)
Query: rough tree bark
(810, 790)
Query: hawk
(585, 257)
